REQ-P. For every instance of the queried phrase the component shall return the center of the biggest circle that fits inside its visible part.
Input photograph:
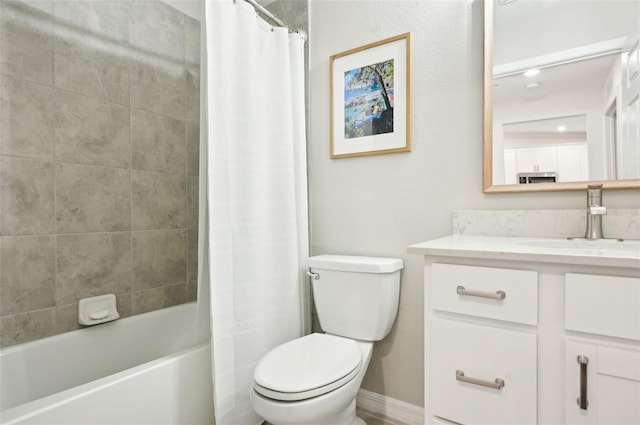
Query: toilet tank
(356, 297)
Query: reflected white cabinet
(510, 167)
(573, 165)
(569, 161)
(536, 159)
(503, 339)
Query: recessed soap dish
(96, 310)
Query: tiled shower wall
(99, 136)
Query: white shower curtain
(257, 197)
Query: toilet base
(344, 417)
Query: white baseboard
(390, 407)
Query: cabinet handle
(583, 361)
(498, 295)
(497, 384)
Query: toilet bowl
(320, 396)
(315, 379)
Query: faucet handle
(597, 210)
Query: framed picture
(370, 99)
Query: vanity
(531, 330)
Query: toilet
(315, 379)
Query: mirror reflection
(566, 82)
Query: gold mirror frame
(487, 149)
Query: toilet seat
(307, 367)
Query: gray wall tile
(66, 154)
(24, 327)
(92, 66)
(158, 201)
(157, 298)
(158, 79)
(192, 94)
(158, 30)
(92, 199)
(123, 304)
(192, 42)
(193, 147)
(158, 142)
(26, 42)
(159, 258)
(192, 63)
(192, 290)
(92, 264)
(26, 196)
(27, 273)
(192, 255)
(26, 119)
(158, 86)
(192, 202)
(90, 131)
(67, 318)
(109, 19)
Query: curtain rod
(275, 19)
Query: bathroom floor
(371, 418)
(375, 418)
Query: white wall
(378, 205)
(566, 24)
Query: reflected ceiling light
(562, 128)
(532, 85)
(531, 73)
(505, 2)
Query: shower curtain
(257, 197)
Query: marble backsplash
(617, 223)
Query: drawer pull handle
(497, 384)
(583, 361)
(498, 295)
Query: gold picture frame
(370, 99)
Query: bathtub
(152, 368)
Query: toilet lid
(307, 367)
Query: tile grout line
(186, 160)
(56, 297)
(131, 256)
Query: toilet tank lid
(355, 263)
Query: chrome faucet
(595, 211)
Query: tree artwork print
(368, 100)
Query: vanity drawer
(519, 288)
(487, 354)
(603, 305)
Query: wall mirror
(561, 95)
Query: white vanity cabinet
(602, 375)
(483, 364)
(602, 383)
(506, 325)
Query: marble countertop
(608, 253)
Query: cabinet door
(610, 378)
(536, 159)
(572, 163)
(546, 159)
(482, 374)
(603, 305)
(628, 152)
(526, 160)
(510, 167)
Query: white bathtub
(152, 368)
